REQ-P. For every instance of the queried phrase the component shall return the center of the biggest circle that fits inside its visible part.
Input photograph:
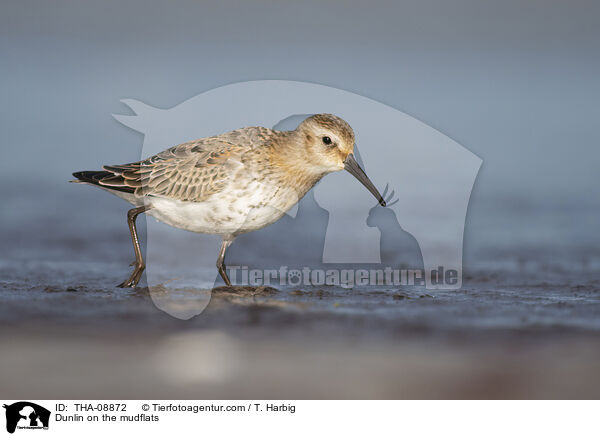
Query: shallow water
(526, 323)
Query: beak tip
(353, 168)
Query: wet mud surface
(526, 324)
(67, 336)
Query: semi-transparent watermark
(337, 233)
(346, 278)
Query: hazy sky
(516, 82)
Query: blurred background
(515, 82)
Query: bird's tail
(94, 178)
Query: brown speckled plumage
(232, 183)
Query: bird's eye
(326, 140)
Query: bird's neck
(289, 157)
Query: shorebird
(231, 183)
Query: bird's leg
(136, 275)
(221, 260)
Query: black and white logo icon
(26, 415)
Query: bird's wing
(192, 171)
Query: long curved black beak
(353, 168)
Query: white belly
(231, 212)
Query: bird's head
(329, 144)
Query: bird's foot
(134, 279)
(127, 284)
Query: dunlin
(232, 183)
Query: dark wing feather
(94, 178)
